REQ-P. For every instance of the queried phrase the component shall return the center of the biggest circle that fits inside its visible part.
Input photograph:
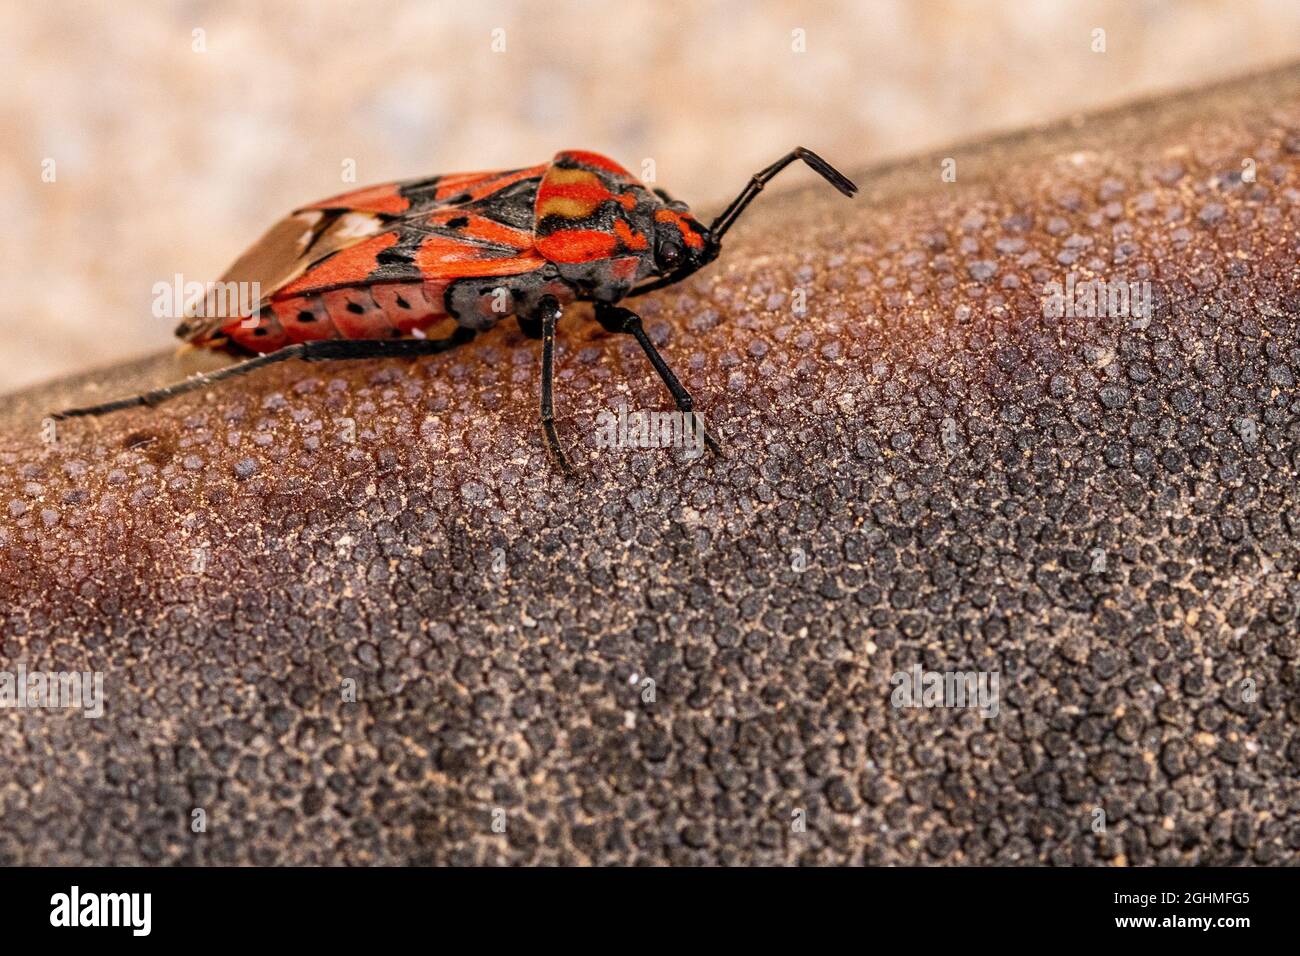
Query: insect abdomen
(382, 311)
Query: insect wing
(338, 242)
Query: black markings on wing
(422, 194)
(397, 262)
(512, 207)
(307, 237)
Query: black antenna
(732, 212)
(760, 179)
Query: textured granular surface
(676, 661)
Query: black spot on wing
(394, 256)
(397, 262)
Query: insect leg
(202, 380)
(310, 351)
(548, 312)
(620, 320)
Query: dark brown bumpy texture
(1103, 510)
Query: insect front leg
(619, 320)
(548, 313)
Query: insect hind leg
(315, 351)
(159, 395)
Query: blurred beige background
(179, 132)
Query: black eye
(669, 256)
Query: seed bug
(362, 275)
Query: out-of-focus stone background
(178, 133)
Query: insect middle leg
(316, 351)
(620, 320)
(542, 324)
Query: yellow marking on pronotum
(581, 193)
(567, 208)
(558, 176)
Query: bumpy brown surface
(1102, 510)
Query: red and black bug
(363, 274)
